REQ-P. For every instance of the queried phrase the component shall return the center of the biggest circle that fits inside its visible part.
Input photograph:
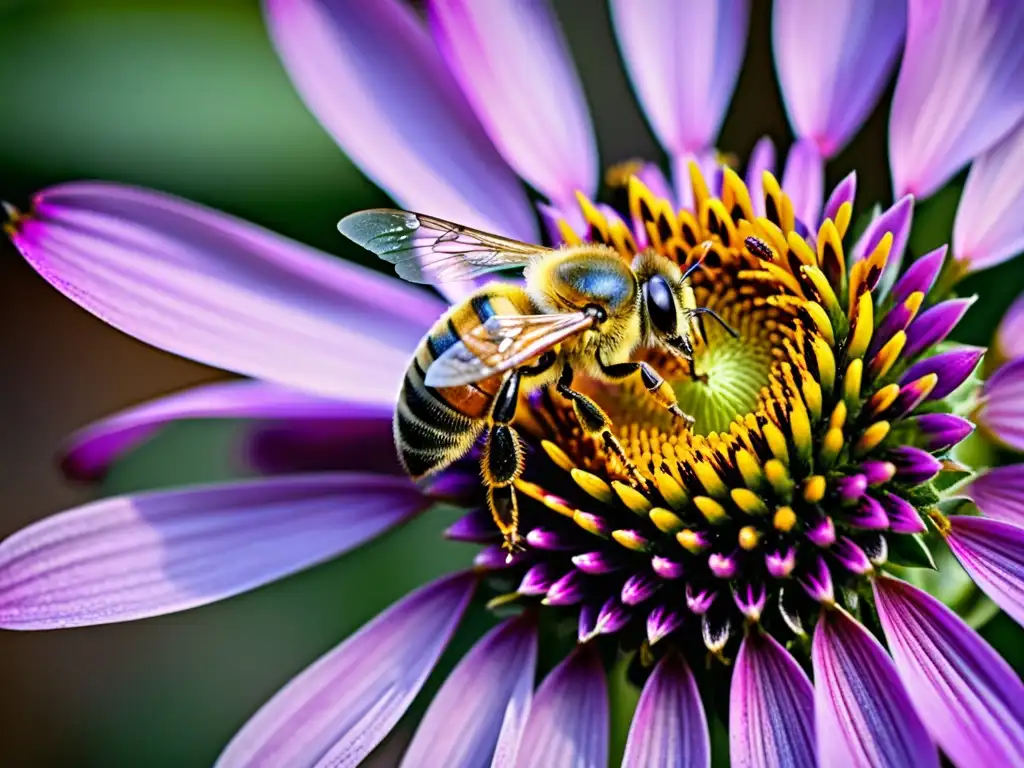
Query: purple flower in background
(761, 541)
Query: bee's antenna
(705, 311)
(705, 248)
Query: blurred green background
(187, 96)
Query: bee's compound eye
(661, 305)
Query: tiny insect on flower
(773, 533)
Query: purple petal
(834, 60)
(845, 192)
(337, 710)
(971, 700)
(896, 219)
(903, 516)
(374, 79)
(951, 367)
(999, 493)
(669, 728)
(218, 290)
(513, 64)
(948, 109)
(771, 708)
(913, 465)
(486, 696)
(1002, 410)
(568, 721)
(920, 276)
(992, 552)
(804, 181)
(762, 158)
(153, 553)
(863, 715)
(91, 451)
(989, 228)
(684, 89)
(934, 325)
(941, 431)
(1010, 336)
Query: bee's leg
(595, 421)
(502, 462)
(656, 386)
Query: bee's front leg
(655, 385)
(595, 422)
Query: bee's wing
(502, 343)
(428, 250)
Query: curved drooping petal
(683, 59)
(568, 721)
(970, 699)
(1002, 409)
(999, 493)
(771, 708)
(669, 728)
(148, 554)
(896, 219)
(1010, 335)
(834, 60)
(992, 552)
(863, 715)
(804, 181)
(486, 696)
(989, 228)
(374, 79)
(90, 452)
(337, 710)
(514, 67)
(210, 287)
(948, 109)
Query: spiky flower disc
(812, 453)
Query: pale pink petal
(374, 79)
(90, 452)
(568, 721)
(989, 227)
(486, 696)
(1010, 336)
(1002, 407)
(513, 64)
(669, 728)
(999, 493)
(230, 294)
(804, 181)
(992, 552)
(834, 60)
(762, 158)
(771, 708)
(337, 710)
(971, 701)
(948, 109)
(683, 59)
(863, 716)
(153, 553)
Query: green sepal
(910, 551)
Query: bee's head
(666, 297)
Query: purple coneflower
(767, 542)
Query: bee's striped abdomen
(434, 427)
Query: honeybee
(583, 308)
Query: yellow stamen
(749, 537)
(558, 456)
(711, 509)
(872, 438)
(748, 501)
(593, 485)
(814, 489)
(634, 500)
(784, 519)
(666, 521)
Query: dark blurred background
(187, 96)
